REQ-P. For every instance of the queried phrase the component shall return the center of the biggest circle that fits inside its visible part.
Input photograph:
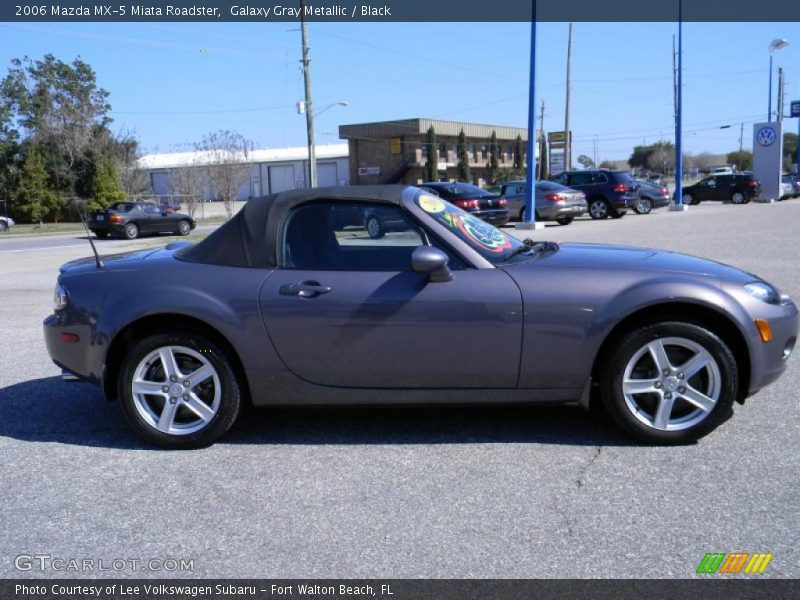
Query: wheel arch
(165, 322)
(698, 314)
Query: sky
(171, 83)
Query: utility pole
(674, 82)
(568, 143)
(741, 138)
(780, 94)
(542, 142)
(312, 154)
(595, 150)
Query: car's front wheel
(689, 199)
(374, 228)
(644, 206)
(179, 390)
(599, 209)
(670, 382)
(131, 231)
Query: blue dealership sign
(795, 109)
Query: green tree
(519, 154)
(494, 165)
(586, 162)
(640, 157)
(462, 167)
(662, 157)
(741, 160)
(106, 185)
(432, 164)
(35, 200)
(607, 164)
(789, 150)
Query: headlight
(60, 297)
(764, 292)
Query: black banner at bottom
(397, 589)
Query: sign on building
(369, 170)
(795, 108)
(395, 146)
(768, 157)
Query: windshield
(493, 244)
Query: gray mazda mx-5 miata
(391, 295)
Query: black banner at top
(397, 10)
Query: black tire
(230, 393)
(689, 199)
(612, 372)
(131, 231)
(644, 206)
(599, 208)
(184, 227)
(522, 215)
(3, 226)
(101, 234)
(564, 220)
(374, 227)
(739, 198)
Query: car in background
(722, 171)
(794, 181)
(554, 202)
(6, 223)
(786, 190)
(170, 206)
(657, 179)
(651, 195)
(608, 193)
(738, 188)
(476, 201)
(131, 219)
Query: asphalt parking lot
(445, 493)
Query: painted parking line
(41, 249)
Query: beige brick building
(395, 151)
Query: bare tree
(190, 183)
(224, 154)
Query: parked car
(738, 188)
(657, 179)
(276, 307)
(608, 193)
(794, 181)
(722, 171)
(554, 202)
(6, 223)
(131, 219)
(484, 205)
(651, 196)
(786, 189)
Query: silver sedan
(554, 202)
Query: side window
(152, 210)
(580, 179)
(349, 237)
(561, 178)
(599, 178)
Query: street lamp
(777, 44)
(312, 149)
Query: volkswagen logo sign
(766, 136)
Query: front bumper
(76, 357)
(768, 360)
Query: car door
(152, 219)
(514, 193)
(345, 309)
(707, 189)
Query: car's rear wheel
(179, 390)
(738, 198)
(131, 231)
(599, 208)
(374, 228)
(184, 228)
(670, 382)
(564, 220)
(644, 206)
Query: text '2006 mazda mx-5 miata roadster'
(391, 295)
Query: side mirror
(430, 260)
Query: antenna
(82, 215)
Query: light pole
(679, 205)
(777, 44)
(530, 176)
(312, 145)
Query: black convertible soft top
(249, 239)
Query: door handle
(304, 289)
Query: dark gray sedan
(286, 304)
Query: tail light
(621, 188)
(115, 219)
(555, 197)
(752, 183)
(663, 191)
(467, 204)
(502, 202)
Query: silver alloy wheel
(598, 209)
(645, 206)
(176, 390)
(373, 227)
(184, 228)
(132, 231)
(671, 383)
(737, 198)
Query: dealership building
(396, 152)
(271, 170)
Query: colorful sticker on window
(482, 234)
(431, 204)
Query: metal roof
(173, 160)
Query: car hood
(598, 257)
(111, 261)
